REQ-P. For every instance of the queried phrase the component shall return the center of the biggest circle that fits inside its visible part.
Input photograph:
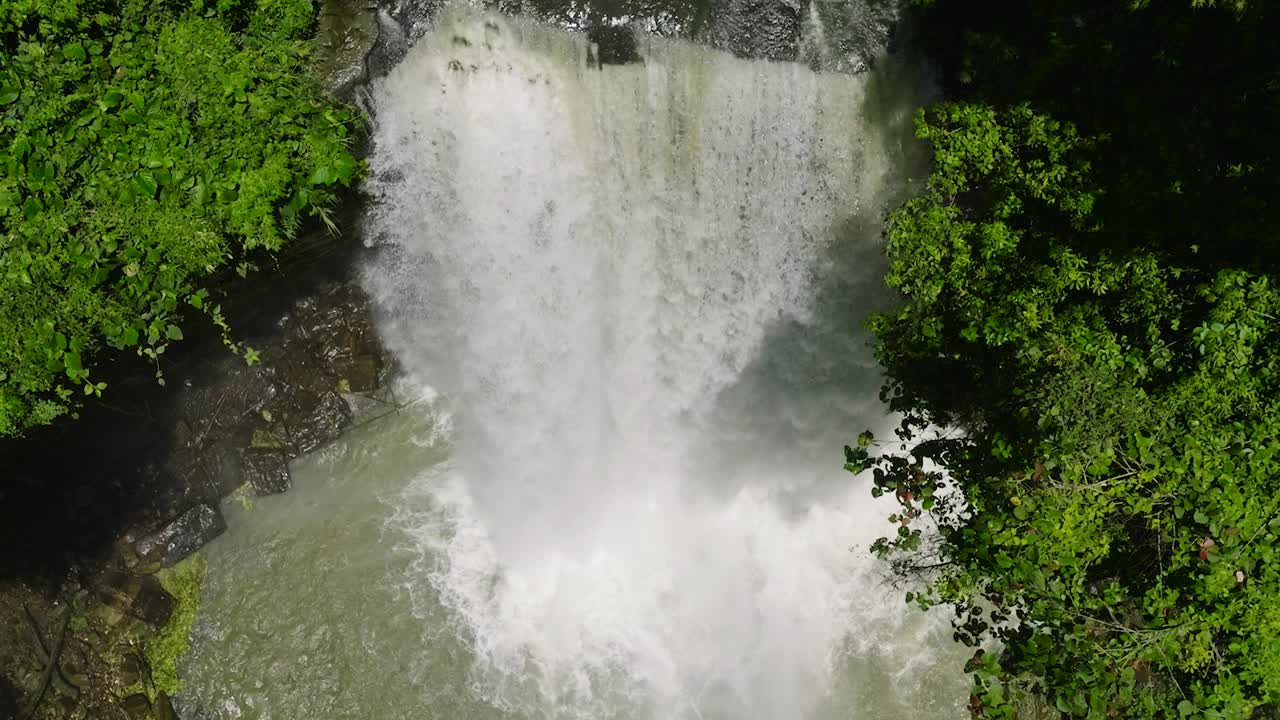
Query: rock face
(347, 32)
(768, 29)
(266, 470)
(188, 533)
(321, 424)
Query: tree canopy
(145, 145)
(1085, 357)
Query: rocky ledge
(103, 518)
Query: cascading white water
(633, 284)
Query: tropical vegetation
(146, 146)
(1086, 357)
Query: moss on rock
(184, 581)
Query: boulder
(323, 424)
(266, 470)
(142, 597)
(153, 604)
(191, 531)
(136, 707)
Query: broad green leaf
(345, 168)
(74, 51)
(32, 207)
(323, 175)
(144, 183)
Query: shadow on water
(811, 386)
(814, 385)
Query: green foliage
(1183, 92)
(184, 581)
(1111, 511)
(144, 146)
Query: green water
(309, 609)
(305, 615)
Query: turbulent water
(638, 291)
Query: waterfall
(639, 288)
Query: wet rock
(183, 435)
(146, 567)
(766, 29)
(347, 32)
(107, 616)
(116, 588)
(136, 707)
(141, 597)
(324, 423)
(365, 407)
(191, 531)
(392, 45)
(209, 472)
(153, 604)
(215, 410)
(164, 707)
(336, 328)
(269, 438)
(362, 373)
(74, 673)
(222, 467)
(266, 470)
(130, 670)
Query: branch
(38, 634)
(54, 656)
